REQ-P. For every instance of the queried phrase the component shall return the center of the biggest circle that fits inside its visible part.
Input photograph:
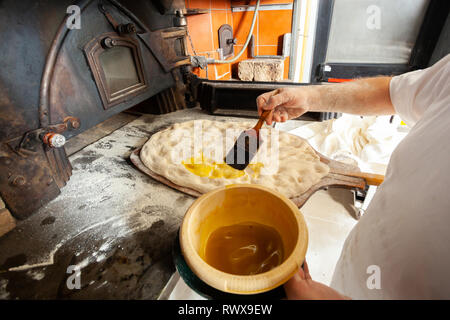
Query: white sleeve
(413, 92)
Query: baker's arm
(369, 96)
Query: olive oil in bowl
(246, 248)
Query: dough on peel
(171, 153)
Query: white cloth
(406, 230)
(367, 142)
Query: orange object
(338, 80)
(270, 27)
(371, 179)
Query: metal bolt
(19, 181)
(57, 140)
(54, 140)
(75, 124)
(108, 42)
(127, 28)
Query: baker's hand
(302, 287)
(287, 103)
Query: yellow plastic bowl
(242, 203)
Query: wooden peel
(341, 175)
(246, 145)
(371, 179)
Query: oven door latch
(51, 136)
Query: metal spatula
(246, 146)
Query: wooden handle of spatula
(261, 120)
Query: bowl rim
(253, 283)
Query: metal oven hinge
(120, 28)
(161, 43)
(50, 136)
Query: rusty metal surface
(162, 44)
(45, 78)
(94, 49)
(58, 40)
(73, 74)
(26, 181)
(169, 101)
(27, 29)
(32, 139)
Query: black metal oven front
(58, 78)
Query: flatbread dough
(283, 162)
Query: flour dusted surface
(284, 162)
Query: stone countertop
(111, 221)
